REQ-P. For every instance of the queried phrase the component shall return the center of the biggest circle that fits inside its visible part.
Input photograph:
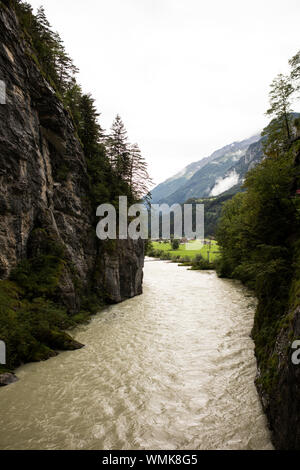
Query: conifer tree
(90, 131)
(118, 149)
(139, 179)
(65, 68)
(45, 43)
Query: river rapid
(171, 369)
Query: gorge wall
(281, 398)
(279, 389)
(44, 186)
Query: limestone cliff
(38, 143)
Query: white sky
(186, 76)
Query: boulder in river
(7, 379)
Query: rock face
(44, 183)
(282, 403)
(121, 271)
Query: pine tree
(45, 43)
(65, 68)
(118, 149)
(56, 64)
(139, 179)
(72, 101)
(90, 131)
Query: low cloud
(223, 184)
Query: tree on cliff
(56, 64)
(90, 131)
(295, 70)
(280, 100)
(279, 132)
(104, 186)
(118, 149)
(65, 68)
(139, 179)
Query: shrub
(175, 244)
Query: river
(171, 369)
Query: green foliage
(280, 101)
(255, 239)
(127, 162)
(48, 47)
(27, 327)
(175, 244)
(31, 316)
(138, 178)
(194, 258)
(212, 209)
(281, 131)
(295, 70)
(199, 263)
(276, 140)
(148, 247)
(40, 274)
(259, 230)
(118, 148)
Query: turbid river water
(171, 369)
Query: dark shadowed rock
(282, 402)
(7, 379)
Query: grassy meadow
(193, 253)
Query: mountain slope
(199, 178)
(234, 177)
(171, 185)
(213, 204)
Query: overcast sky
(186, 76)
